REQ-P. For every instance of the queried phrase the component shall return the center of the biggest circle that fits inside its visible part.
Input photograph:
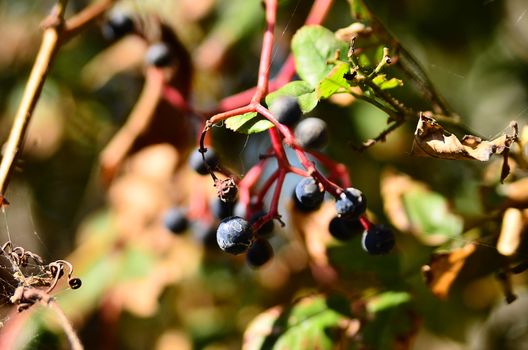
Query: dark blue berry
(158, 55)
(221, 209)
(265, 230)
(286, 110)
(312, 133)
(197, 163)
(344, 229)
(377, 240)
(118, 25)
(259, 253)
(234, 235)
(351, 203)
(308, 194)
(175, 220)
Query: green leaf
(334, 81)
(384, 84)
(388, 300)
(431, 217)
(309, 324)
(305, 94)
(313, 47)
(391, 321)
(248, 123)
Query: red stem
(319, 11)
(267, 185)
(249, 180)
(338, 170)
(365, 222)
(267, 49)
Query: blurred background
(146, 288)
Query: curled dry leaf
(511, 230)
(444, 268)
(432, 140)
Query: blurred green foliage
(476, 55)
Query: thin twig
(75, 343)
(47, 51)
(56, 32)
(79, 21)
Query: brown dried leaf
(431, 139)
(510, 235)
(393, 186)
(444, 268)
(313, 229)
(516, 191)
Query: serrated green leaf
(248, 123)
(313, 47)
(334, 81)
(306, 95)
(384, 84)
(430, 217)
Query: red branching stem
(267, 49)
(329, 186)
(365, 222)
(273, 212)
(276, 194)
(337, 170)
(319, 11)
(284, 130)
(267, 185)
(242, 98)
(225, 115)
(276, 143)
(249, 180)
(298, 171)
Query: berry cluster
(236, 234)
(245, 226)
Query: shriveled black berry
(205, 234)
(344, 229)
(286, 110)
(265, 230)
(312, 133)
(158, 55)
(221, 209)
(377, 240)
(259, 253)
(175, 220)
(234, 235)
(351, 203)
(308, 194)
(197, 163)
(118, 25)
(75, 283)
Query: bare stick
(75, 343)
(47, 51)
(77, 22)
(55, 33)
